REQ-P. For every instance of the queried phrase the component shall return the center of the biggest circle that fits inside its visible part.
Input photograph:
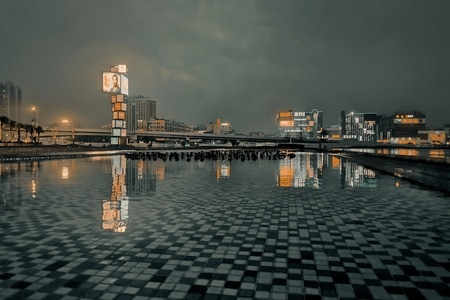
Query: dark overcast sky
(240, 61)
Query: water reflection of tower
(141, 177)
(115, 210)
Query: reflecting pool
(260, 227)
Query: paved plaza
(194, 235)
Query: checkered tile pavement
(242, 237)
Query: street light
(34, 108)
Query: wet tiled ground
(199, 230)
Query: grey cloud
(240, 61)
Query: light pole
(34, 108)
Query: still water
(110, 185)
(443, 154)
(316, 225)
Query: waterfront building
(431, 137)
(447, 133)
(256, 133)
(334, 132)
(10, 100)
(401, 127)
(304, 125)
(163, 125)
(140, 110)
(358, 126)
(219, 127)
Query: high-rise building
(10, 100)
(140, 110)
(304, 125)
(401, 127)
(358, 126)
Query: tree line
(28, 128)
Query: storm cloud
(240, 61)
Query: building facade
(401, 127)
(140, 109)
(162, 125)
(431, 137)
(219, 127)
(358, 126)
(10, 101)
(304, 125)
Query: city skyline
(239, 61)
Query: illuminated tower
(115, 83)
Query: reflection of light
(160, 173)
(335, 162)
(140, 169)
(437, 153)
(97, 158)
(65, 173)
(33, 188)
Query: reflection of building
(300, 124)
(115, 210)
(13, 185)
(358, 126)
(305, 170)
(141, 178)
(223, 169)
(10, 100)
(354, 175)
(401, 127)
(140, 110)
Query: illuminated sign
(111, 82)
(122, 68)
(118, 115)
(287, 114)
(116, 131)
(114, 83)
(286, 123)
(118, 124)
(118, 106)
(407, 121)
(124, 88)
(114, 140)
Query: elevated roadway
(154, 135)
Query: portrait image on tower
(111, 83)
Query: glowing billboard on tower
(114, 83)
